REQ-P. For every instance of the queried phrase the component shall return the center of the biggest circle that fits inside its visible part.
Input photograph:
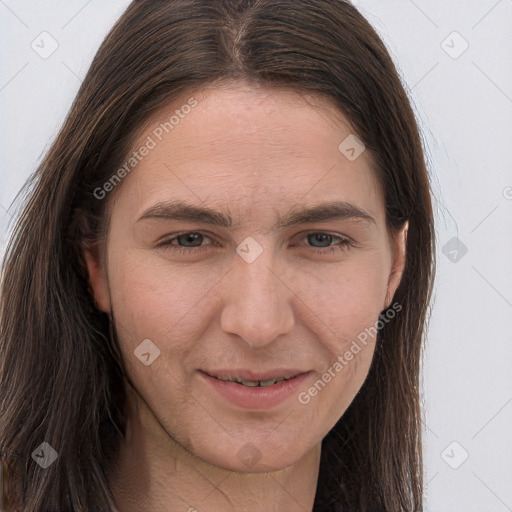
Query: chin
(258, 456)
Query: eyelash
(343, 245)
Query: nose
(257, 301)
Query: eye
(191, 242)
(343, 243)
(193, 237)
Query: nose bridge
(256, 303)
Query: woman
(174, 333)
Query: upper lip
(250, 375)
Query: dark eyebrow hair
(178, 210)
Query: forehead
(250, 148)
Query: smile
(255, 383)
(264, 392)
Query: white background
(464, 106)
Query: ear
(399, 247)
(97, 277)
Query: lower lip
(257, 397)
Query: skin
(255, 153)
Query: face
(265, 282)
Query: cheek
(153, 300)
(360, 300)
(157, 300)
(348, 307)
(346, 298)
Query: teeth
(270, 382)
(250, 383)
(255, 383)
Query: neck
(155, 473)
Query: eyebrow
(178, 210)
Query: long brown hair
(61, 373)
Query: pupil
(321, 236)
(191, 237)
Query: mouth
(255, 391)
(256, 381)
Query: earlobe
(97, 278)
(399, 258)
